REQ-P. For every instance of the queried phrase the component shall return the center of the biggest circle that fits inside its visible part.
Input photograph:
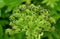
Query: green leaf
(58, 6)
(12, 4)
(48, 35)
(5, 36)
(56, 35)
(3, 22)
(58, 25)
(2, 3)
(0, 12)
(54, 14)
(51, 3)
(1, 32)
(5, 15)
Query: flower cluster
(31, 19)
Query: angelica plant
(31, 19)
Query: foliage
(10, 8)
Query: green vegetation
(29, 19)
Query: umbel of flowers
(31, 19)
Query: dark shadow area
(44, 38)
